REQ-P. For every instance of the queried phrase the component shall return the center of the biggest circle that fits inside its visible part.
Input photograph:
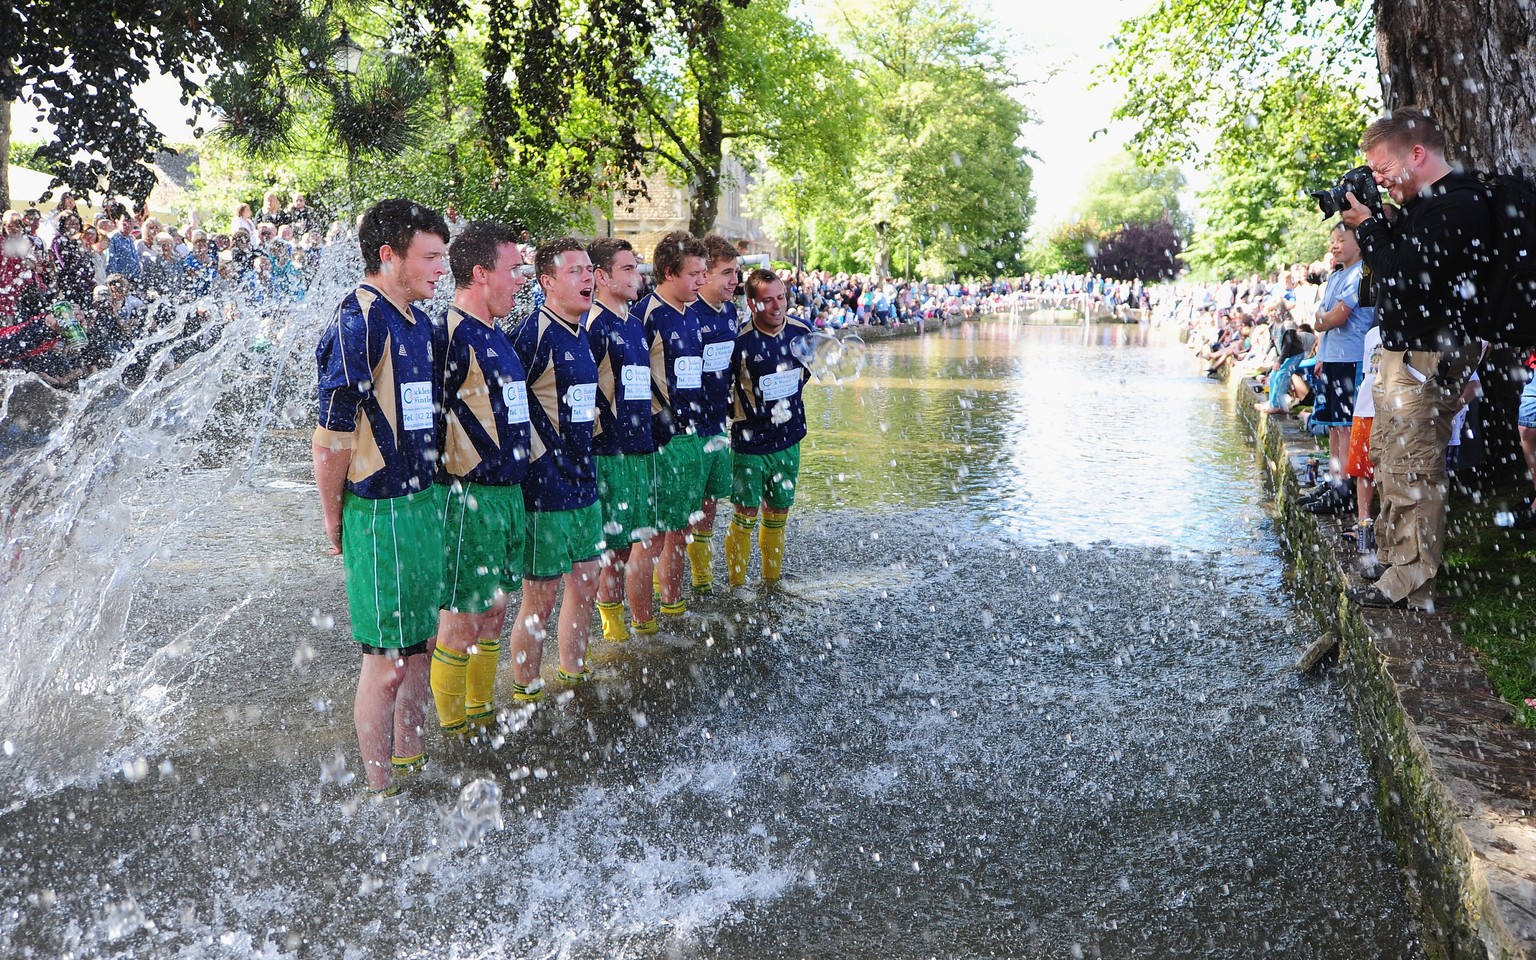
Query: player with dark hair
(486, 446)
(376, 448)
(715, 313)
(623, 444)
(677, 405)
(565, 524)
(767, 425)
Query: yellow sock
(532, 693)
(738, 548)
(674, 609)
(403, 767)
(771, 541)
(701, 558)
(613, 621)
(448, 679)
(648, 627)
(480, 687)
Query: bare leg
(637, 580)
(1365, 496)
(528, 630)
(670, 565)
(576, 616)
(373, 713)
(613, 575)
(1338, 451)
(411, 704)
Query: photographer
(1429, 262)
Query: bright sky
(1060, 44)
(1066, 41)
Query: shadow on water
(991, 713)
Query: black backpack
(1511, 297)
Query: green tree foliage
(608, 92)
(1198, 65)
(77, 64)
(294, 93)
(941, 178)
(1070, 246)
(1123, 192)
(1282, 84)
(1258, 216)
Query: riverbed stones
(1456, 777)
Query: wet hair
(758, 281)
(477, 246)
(603, 250)
(717, 249)
(673, 251)
(544, 258)
(1403, 128)
(395, 223)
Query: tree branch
(693, 163)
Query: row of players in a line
(457, 463)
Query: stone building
(648, 220)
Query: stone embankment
(1456, 777)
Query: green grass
(1488, 580)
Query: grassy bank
(1489, 583)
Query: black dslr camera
(1358, 181)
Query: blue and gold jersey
(623, 383)
(767, 390)
(717, 335)
(485, 399)
(380, 394)
(677, 367)
(562, 407)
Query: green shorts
(483, 535)
(626, 490)
(560, 539)
(717, 467)
(679, 481)
(393, 553)
(758, 478)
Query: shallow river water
(1025, 692)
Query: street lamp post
(346, 59)
(797, 179)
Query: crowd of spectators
(77, 292)
(824, 300)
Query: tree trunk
(704, 201)
(5, 152)
(1472, 65)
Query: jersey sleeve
(346, 376)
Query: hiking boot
(1373, 597)
(1332, 501)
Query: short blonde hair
(1403, 128)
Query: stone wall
(1456, 778)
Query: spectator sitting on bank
(1286, 389)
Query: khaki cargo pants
(1408, 440)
